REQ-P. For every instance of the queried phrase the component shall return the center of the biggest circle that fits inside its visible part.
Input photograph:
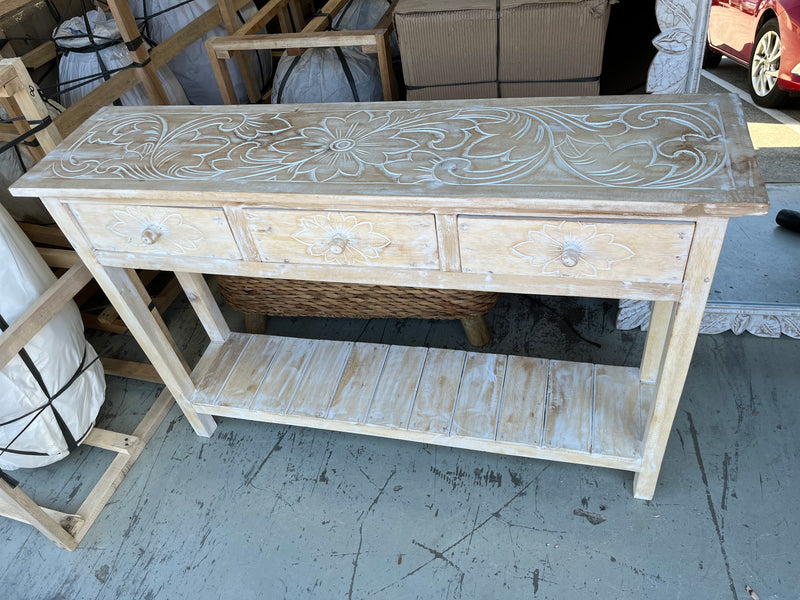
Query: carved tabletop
(510, 149)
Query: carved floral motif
(340, 239)
(467, 146)
(155, 226)
(571, 248)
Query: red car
(762, 35)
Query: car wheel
(764, 64)
(711, 58)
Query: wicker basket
(286, 297)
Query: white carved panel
(569, 145)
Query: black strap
(325, 15)
(133, 45)
(347, 73)
(24, 136)
(37, 376)
(8, 479)
(281, 87)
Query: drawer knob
(337, 244)
(150, 235)
(570, 254)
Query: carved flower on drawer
(162, 227)
(340, 239)
(571, 248)
(344, 146)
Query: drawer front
(151, 230)
(338, 238)
(618, 251)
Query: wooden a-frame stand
(19, 97)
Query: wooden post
(660, 323)
(232, 24)
(148, 329)
(147, 75)
(678, 350)
(204, 305)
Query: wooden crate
(313, 35)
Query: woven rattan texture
(291, 298)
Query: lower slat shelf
(555, 410)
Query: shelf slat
(575, 412)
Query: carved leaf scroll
(468, 146)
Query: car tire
(764, 64)
(711, 58)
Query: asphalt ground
(775, 133)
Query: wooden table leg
(126, 292)
(678, 350)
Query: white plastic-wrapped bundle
(14, 161)
(13, 164)
(327, 75)
(94, 52)
(364, 14)
(51, 391)
(159, 19)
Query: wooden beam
(28, 324)
(130, 369)
(323, 39)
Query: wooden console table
(617, 197)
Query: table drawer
(157, 230)
(604, 250)
(339, 238)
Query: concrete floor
(265, 511)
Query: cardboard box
(472, 91)
(512, 42)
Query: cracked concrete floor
(270, 511)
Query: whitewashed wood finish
(621, 410)
(616, 177)
(511, 149)
(522, 412)
(602, 250)
(248, 373)
(158, 230)
(126, 293)
(488, 402)
(321, 378)
(653, 354)
(355, 239)
(568, 412)
(359, 380)
(397, 388)
(286, 373)
(437, 391)
(479, 396)
(678, 350)
(199, 295)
